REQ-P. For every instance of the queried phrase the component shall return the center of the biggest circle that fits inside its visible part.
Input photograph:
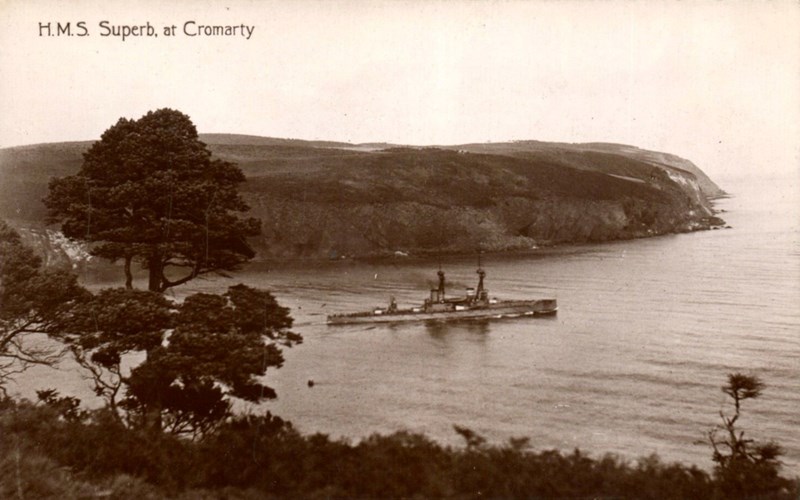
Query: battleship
(476, 304)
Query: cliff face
(422, 201)
(303, 229)
(328, 200)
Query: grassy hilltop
(326, 199)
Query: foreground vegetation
(54, 449)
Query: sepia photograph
(400, 249)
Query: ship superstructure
(475, 304)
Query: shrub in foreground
(258, 456)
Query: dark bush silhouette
(745, 468)
(262, 456)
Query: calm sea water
(646, 333)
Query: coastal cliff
(334, 200)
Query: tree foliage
(33, 301)
(114, 323)
(744, 467)
(199, 353)
(149, 191)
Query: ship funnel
(440, 291)
(482, 293)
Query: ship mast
(480, 294)
(440, 291)
(481, 275)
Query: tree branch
(196, 271)
(106, 389)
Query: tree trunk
(128, 274)
(153, 421)
(153, 414)
(154, 267)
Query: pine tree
(148, 191)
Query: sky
(715, 82)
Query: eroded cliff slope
(328, 200)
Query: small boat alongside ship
(476, 304)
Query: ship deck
(509, 308)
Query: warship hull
(500, 309)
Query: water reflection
(440, 329)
